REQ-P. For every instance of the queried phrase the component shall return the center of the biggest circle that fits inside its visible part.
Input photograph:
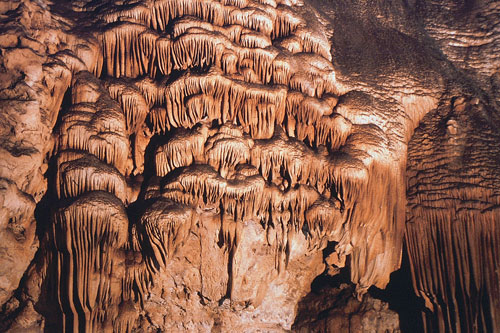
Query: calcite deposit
(195, 165)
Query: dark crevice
(399, 293)
(325, 280)
(401, 297)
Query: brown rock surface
(180, 165)
(336, 310)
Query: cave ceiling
(194, 165)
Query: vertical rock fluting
(204, 153)
(88, 267)
(89, 232)
(36, 65)
(453, 230)
(453, 189)
(252, 134)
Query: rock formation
(184, 165)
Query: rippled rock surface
(178, 165)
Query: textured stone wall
(182, 165)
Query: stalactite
(232, 32)
(452, 232)
(225, 151)
(311, 118)
(376, 227)
(242, 101)
(314, 42)
(90, 231)
(140, 49)
(165, 226)
(87, 174)
(110, 148)
(122, 50)
(181, 150)
(137, 12)
(158, 119)
(252, 40)
(350, 173)
(132, 103)
(243, 197)
(325, 222)
(238, 103)
(145, 50)
(69, 155)
(163, 56)
(333, 131)
(87, 287)
(299, 164)
(286, 22)
(240, 196)
(153, 93)
(95, 124)
(250, 18)
(268, 17)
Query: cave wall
(181, 165)
(452, 227)
(452, 232)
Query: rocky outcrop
(183, 165)
(336, 310)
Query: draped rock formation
(183, 165)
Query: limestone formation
(194, 165)
(335, 310)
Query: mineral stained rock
(181, 165)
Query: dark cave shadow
(401, 297)
(399, 294)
